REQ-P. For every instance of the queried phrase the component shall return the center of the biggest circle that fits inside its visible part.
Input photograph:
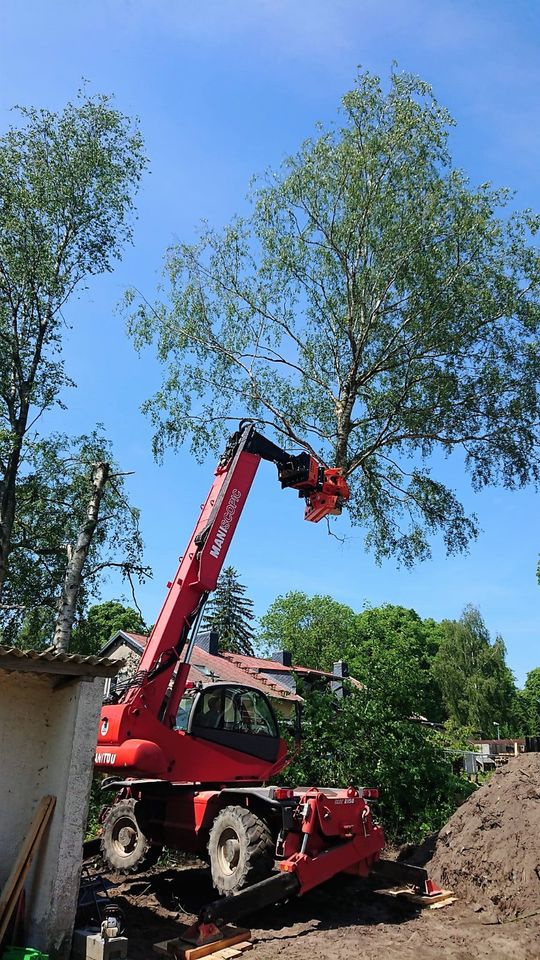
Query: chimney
(340, 670)
(284, 657)
(209, 641)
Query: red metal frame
(137, 735)
(324, 832)
(335, 834)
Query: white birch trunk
(76, 559)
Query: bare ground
(488, 853)
(342, 920)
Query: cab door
(240, 718)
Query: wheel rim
(124, 837)
(228, 851)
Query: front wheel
(124, 846)
(241, 850)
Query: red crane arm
(324, 491)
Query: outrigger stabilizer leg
(283, 886)
(215, 915)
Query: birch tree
(67, 182)
(375, 308)
(74, 525)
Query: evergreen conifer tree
(230, 614)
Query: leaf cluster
(66, 204)
(449, 673)
(96, 627)
(375, 309)
(52, 498)
(365, 741)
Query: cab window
(184, 711)
(234, 709)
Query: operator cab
(232, 715)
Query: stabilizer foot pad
(441, 899)
(231, 943)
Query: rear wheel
(241, 850)
(124, 846)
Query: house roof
(260, 663)
(223, 668)
(206, 666)
(504, 741)
(53, 663)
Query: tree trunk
(344, 414)
(7, 507)
(77, 555)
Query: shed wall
(47, 740)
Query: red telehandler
(194, 765)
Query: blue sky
(224, 89)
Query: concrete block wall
(47, 742)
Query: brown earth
(489, 851)
(489, 854)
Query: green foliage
(52, 499)
(67, 182)
(531, 703)
(409, 644)
(455, 737)
(374, 308)
(93, 824)
(101, 622)
(477, 687)
(317, 630)
(230, 613)
(366, 740)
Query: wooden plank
(23, 863)
(183, 950)
(422, 900)
(227, 953)
(425, 901)
(28, 842)
(441, 903)
(15, 882)
(189, 952)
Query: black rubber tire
(241, 850)
(124, 847)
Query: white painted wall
(131, 663)
(47, 742)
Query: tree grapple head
(324, 489)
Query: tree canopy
(101, 622)
(531, 702)
(317, 630)
(375, 308)
(477, 686)
(53, 497)
(67, 182)
(445, 672)
(397, 641)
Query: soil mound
(489, 851)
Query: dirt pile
(489, 851)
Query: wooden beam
(15, 882)
(184, 950)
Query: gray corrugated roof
(52, 662)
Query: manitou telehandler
(194, 765)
